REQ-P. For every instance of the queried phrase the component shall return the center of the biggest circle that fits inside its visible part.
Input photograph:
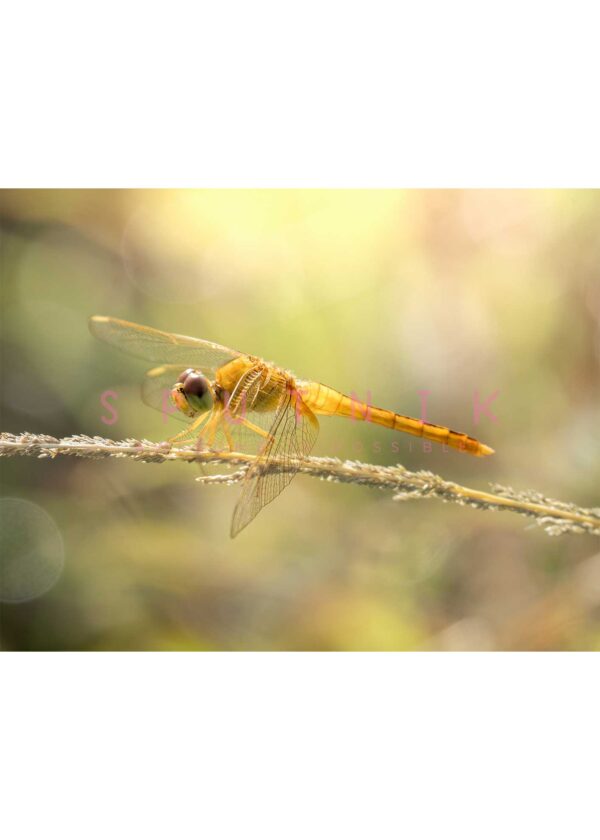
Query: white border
(328, 93)
(299, 745)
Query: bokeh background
(386, 293)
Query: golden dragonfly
(233, 401)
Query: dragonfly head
(192, 394)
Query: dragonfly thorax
(193, 393)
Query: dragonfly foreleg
(191, 432)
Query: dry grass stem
(553, 516)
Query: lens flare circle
(32, 552)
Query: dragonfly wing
(291, 436)
(158, 346)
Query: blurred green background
(381, 292)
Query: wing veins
(262, 486)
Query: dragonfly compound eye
(182, 377)
(197, 391)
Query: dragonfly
(236, 402)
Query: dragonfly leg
(209, 433)
(190, 432)
(227, 435)
(253, 427)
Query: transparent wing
(292, 435)
(158, 346)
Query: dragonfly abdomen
(438, 434)
(324, 400)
